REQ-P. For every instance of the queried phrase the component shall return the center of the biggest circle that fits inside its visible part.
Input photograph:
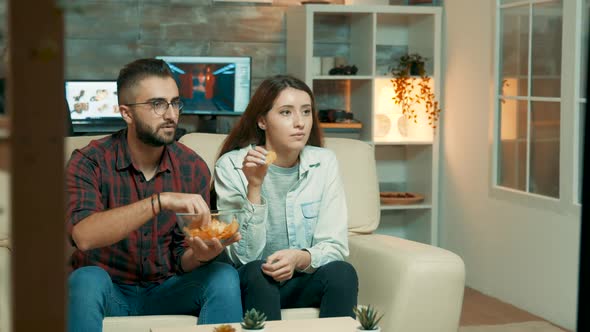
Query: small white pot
(360, 329)
(248, 330)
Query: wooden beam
(36, 104)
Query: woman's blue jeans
(211, 292)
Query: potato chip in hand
(271, 156)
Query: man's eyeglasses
(160, 106)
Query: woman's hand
(254, 166)
(282, 264)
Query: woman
(295, 226)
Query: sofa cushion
(359, 177)
(77, 142)
(420, 285)
(205, 145)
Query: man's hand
(203, 251)
(186, 203)
(281, 265)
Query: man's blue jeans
(211, 292)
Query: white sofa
(418, 287)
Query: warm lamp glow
(509, 110)
(390, 125)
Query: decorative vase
(402, 126)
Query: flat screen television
(93, 106)
(212, 85)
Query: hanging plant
(408, 75)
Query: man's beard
(147, 136)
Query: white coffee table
(339, 324)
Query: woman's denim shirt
(317, 218)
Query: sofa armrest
(418, 287)
(5, 290)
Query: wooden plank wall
(103, 35)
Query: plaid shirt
(102, 176)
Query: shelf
(404, 143)
(405, 207)
(341, 125)
(372, 38)
(389, 77)
(363, 9)
(343, 77)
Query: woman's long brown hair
(246, 131)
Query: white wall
(519, 254)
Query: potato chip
(271, 156)
(215, 229)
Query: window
(529, 97)
(540, 105)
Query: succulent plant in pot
(368, 317)
(253, 320)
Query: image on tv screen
(212, 85)
(206, 86)
(92, 99)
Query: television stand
(207, 124)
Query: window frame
(582, 6)
(569, 99)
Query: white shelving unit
(372, 38)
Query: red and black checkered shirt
(102, 176)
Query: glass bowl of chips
(223, 224)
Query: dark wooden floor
(480, 309)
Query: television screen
(93, 106)
(212, 85)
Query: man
(123, 191)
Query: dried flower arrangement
(224, 328)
